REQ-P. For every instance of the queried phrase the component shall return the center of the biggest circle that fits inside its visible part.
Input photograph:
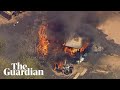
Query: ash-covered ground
(18, 43)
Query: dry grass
(29, 61)
(4, 63)
(2, 45)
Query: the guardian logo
(19, 69)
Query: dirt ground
(111, 27)
(112, 61)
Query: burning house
(76, 47)
(75, 51)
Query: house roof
(75, 43)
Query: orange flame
(42, 47)
(85, 45)
(70, 51)
(60, 65)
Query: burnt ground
(20, 40)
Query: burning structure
(76, 45)
(72, 46)
(74, 50)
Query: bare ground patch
(111, 27)
(113, 62)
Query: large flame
(70, 51)
(42, 47)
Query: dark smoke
(62, 26)
(65, 23)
